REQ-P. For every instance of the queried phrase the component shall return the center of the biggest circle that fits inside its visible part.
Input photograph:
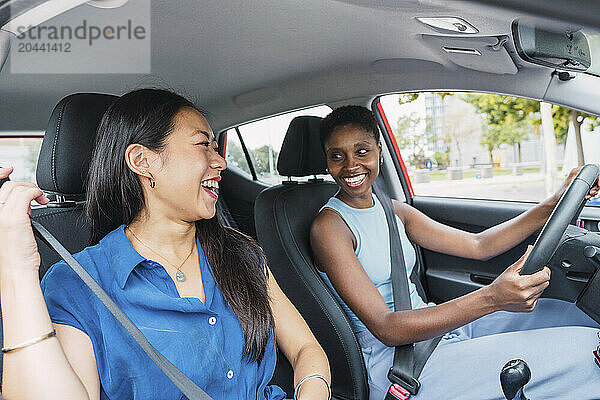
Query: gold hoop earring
(152, 181)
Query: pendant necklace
(179, 275)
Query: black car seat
(283, 215)
(62, 170)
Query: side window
(486, 146)
(20, 150)
(234, 153)
(260, 144)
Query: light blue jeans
(556, 340)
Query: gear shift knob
(514, 375)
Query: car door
(464, 165)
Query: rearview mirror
(558, 47)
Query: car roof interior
(246, 60)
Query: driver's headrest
(301, 153)
(68, 143)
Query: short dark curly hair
(349, 115)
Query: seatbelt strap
(185, 384)
(404, 371)
(401, 371)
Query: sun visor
(481, 53)
(38, 13)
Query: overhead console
(529, 43)
(480, 53)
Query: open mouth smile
(355, 180)
(211, 186)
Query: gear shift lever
(514, 376)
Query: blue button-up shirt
(204, 340)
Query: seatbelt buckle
(408, 383)
(396, 392)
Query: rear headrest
(301, 153)
(68, 143)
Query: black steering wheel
(566, 211)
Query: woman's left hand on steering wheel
(594, 190)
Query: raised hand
(18, 249)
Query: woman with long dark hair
(200, 292)
(483, 329)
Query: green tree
(260, 157)
(235, 156)
(515, 132)
(442, 159)
(507, 119)
(409, 137)
(563, 116)
(508, 113)
(490, 139)
(405, 98)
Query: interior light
(107, 3)
(448, 24)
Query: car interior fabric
(314, 75)
(283, 215)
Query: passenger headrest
(68, 143)
(301, 153)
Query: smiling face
(187, 171)
(353, 162)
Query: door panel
(447, 276)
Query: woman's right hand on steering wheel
(511, 291)
(18, 249)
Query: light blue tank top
(373, 251)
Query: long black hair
(115, 197)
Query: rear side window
(253, 148)
(487, 146)
(20, 150)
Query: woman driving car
(483, 329)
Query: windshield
(593, 38)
